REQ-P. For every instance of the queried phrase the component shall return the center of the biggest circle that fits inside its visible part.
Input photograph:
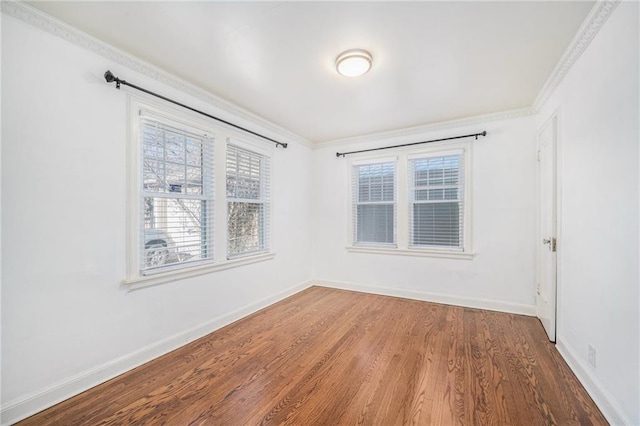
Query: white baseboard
(446, 299)
(26, 406)
(607, 405)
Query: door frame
(557, 115)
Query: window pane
(436, 171)
(153, 175)
(194, 152)
(375, 223)
(175, 231)
(173, 159)
(194, 180)
(174, 147)
(436, 224)
(175, 177)
(243, 174)
(153, 142)
(245, 224)
(376, 182)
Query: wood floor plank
(331, 357)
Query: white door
(547, 242)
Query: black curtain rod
(108, 75)
(342, 154)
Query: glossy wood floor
(328, 357)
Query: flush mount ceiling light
(353, 63)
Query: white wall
(67, 322)
(65, 314)
(502, 273)
(598, 264)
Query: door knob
(544, 241)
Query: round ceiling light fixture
(354, 62)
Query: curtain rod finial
(110, 78)
(108, 75)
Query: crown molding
(412, 132)
(586, 33)
(45, 22)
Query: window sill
(412, 252)
(165, 277)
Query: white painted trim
(587, 32)
(28, 405)
(602, 398)
(143, 281)
(411, 252)
(376, 160)
(435, 153)
(553, 121)
(446, 299)
(54, 26)
(409, 134)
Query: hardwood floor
(328, 357)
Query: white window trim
(142, 281)
(134, 280)
(262, 150)
(447, 254)
(351, 231)
(402, 247)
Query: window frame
(265, 201)
(403, 216)
(221, 134)
(411, 187)
(208, 195)
(355, 203)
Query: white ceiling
(433, 61)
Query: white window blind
(177, 194)
(436, 201)
(248, 197)
(374, 203)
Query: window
(248, 181)
(195, 205)
(416, 203)
(176, 193)
(436, 201)
(374, 203)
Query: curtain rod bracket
(110, 78)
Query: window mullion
(402, 207)
(221, 205)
